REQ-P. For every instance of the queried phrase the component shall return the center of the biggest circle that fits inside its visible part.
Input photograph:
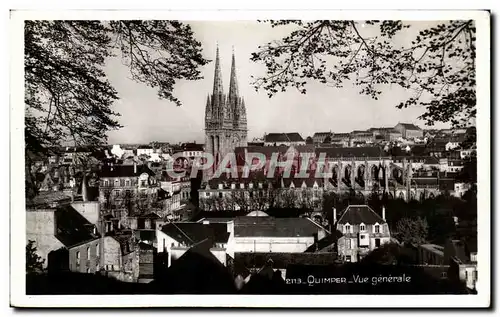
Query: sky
(146, 118)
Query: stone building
(409, 130)
(225, 116)
(363, 230)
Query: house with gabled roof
(409, 130)
(363, 230)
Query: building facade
(363, 230)
(225, 116)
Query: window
(348, 244)
(97, 268)
(220, 195)
(122, 182)
(348, 258)
(347, 229)
(127, 182)
(88, 253)
(377, 243)
(466, 275)
(362, 227)
(377, 228)
(207, 194)
(362, 236)
(97, 249)
(88, 270)
(77, 257)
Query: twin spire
(233, 83)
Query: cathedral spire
(233, 83)
(218, 89)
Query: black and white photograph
(253, 156)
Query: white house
(363, 231)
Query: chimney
(84, 188)
(383, 212)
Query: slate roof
(283, 137)
(44, 199)
(124, 171)
(72, 229)
(357, 214)
(189, 233)
(274, 227)
(192, 147)
(321, 134)
(369, 151)
(410, 126)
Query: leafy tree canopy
(69, 98)
(34, 262)
(412, 230)
(437, 64)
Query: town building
(145, 150)
(319, 137)
(363, 230)
(409, 131)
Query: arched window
(377, 228)
(347, 228)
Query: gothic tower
(225, 116)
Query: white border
(18, 298)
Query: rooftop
(274, 227)
(283, 137)
(357, 214)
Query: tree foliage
(69, 98)
(34, 262)
(437, 64)
(412, 231)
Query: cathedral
(225, 116)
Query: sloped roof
(124, 171)
(357, 214)
(283, 137)
(72, 228)
(190, 233)
(410, 126)
(321, 134)
(192, 147)
(47, 198)
(274, 227)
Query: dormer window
(220, 186)
(242, 186)
(250, 185)
(233, 186)
(376, 228)
(347, 228)
(362, 227)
